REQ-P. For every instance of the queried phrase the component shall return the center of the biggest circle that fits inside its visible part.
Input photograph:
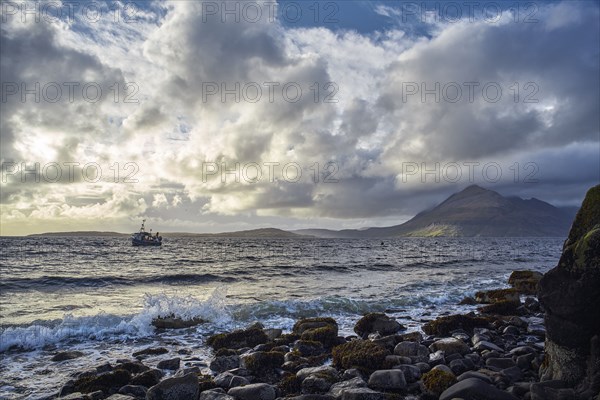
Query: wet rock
(136, 391)
(272, 334)
(437, 358)
(475, 389)
(391, 379)
(227, 380)
(120, 397)
(147, 378)
(412, 373)
(485, 345)
(513, 374)
(176, 388)
(444, 368)
(376, 323)
(363, 355)
(263, 364)
(224, 363)
(337, 389)
(450, 346)
(215, 394)
(109, 382)
(317, 384)
(444, 325)
(469, 301)
(135, 367)
(474, 374)
(362, 394)
(238, 339)
(504, 307)
(525, 282)
(460, 366)
(309, 348)
(498, 295)
(66, 355)
(570, 295)
(436, 381)
(151, 351)
(500, 363)
(255, 391)
(173, 322)
(171, 364)
(416, 351)
(323, 370)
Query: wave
(112, 327)
(54, 282)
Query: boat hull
(136, 242)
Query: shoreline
(450, 349)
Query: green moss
(286, 339)
(263, 361)
(327, 335)
(206, 382)
(225, 352)
(436, 381)
(106, 382)
(238, 339)
(361, 354)
(290, 385)
(588, 215)
(587, 250)
(496, 295)
(313, 323)
(444, 325)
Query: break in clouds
(177, 112)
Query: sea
(99, 295)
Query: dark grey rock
(501, 363)
(475, 389)
(137, 391)
(180, 388)
(388, 379)
(337, 389)
(171, 364)
(224, 363)
(416, 351)
(474, 374)
(362, 394)
(67, 355)
(316, 384)
(255, 391)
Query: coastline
(497, 349)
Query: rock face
(570, 295)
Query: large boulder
(238, 339)
(376, 323)
(442, 326)
(360, 354)
(570, 295)
(525, 282)
(176, 388)
(322, 329)
(256, 391)
(475, 389)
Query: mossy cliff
(570, 294)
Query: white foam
(108, 326)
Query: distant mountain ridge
(474, 211)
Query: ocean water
(99, 294)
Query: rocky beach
(538, 340)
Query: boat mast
(142, 228)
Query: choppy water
(99, 295)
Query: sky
(210, 116)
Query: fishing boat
(143, 238)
